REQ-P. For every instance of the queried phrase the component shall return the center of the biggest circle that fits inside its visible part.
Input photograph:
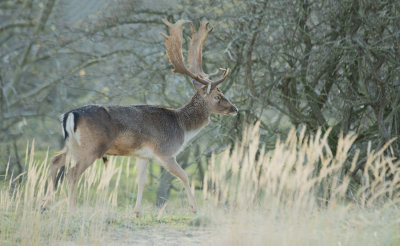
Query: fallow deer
(143, 131)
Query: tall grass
(301, 193)
(22, 221)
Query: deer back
(125, 130)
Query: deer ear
(196, 84)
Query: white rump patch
(70, 128)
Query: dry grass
(22, 222)
(252, 197)
(289, 175)
(279, 197)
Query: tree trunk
(166, 179)
(164, 187)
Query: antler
(173, 44)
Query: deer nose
(234, 110)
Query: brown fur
(144, 131)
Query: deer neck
(195, 114)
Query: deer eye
(217, 98)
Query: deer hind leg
(141, 165)
(74, 174)
(57, 162)
(173, 167)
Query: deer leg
(173, 167)
(57, 162)
(73, 176)
(141, 166)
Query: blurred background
(320, 64)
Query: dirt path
(159, 235)
(151, 235)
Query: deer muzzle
(233, 111)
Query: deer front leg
(173, 167)
(141, 166)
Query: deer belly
(144, 153)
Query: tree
(320, 64)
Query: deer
(144, 131)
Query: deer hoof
(138, 214)
(43, 208)
(194, 209)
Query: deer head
(206, 89)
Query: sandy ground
(151, 235)
(160, 235)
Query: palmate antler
(173, 44)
